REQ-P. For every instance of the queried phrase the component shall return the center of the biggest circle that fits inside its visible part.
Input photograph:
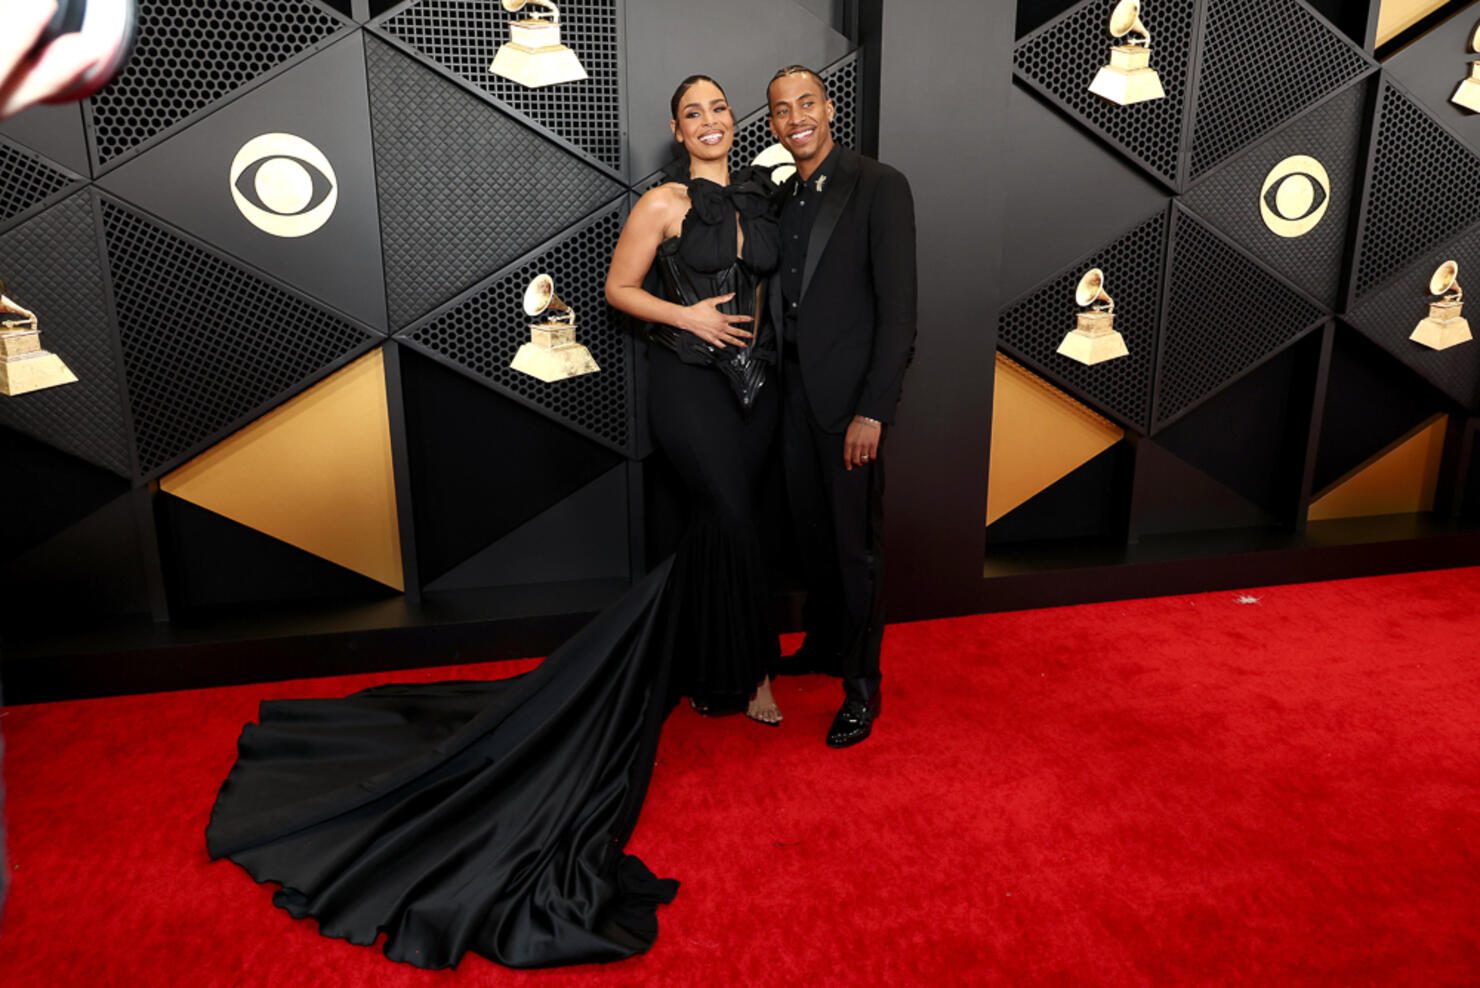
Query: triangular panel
(1388, 314)
(1044, 232)
(1263, 61)
(483, 330)
(27, 181)
(1231, 197)
(1089, 502)
(463, 37)
(482, 465)
(1371, 402)
(46, 491)
(1033, 326)
(1061, 58)
(1172, 495)
(53, 130)
(186, 181)
(1424, 188)
(47, 584)
(191, 55)
(1402, 480)
(1430, 70)
(1039, 435)
(314, 472)
(207, 344)
(1225, 314)
(211, 561)
(1242, 437)
(450, 216)
(53, 266)
(583, 537)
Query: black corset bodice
(701, 263)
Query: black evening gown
(492, 816)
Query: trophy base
(537, 67)
(1468, 95)
(1441, 334)
(33, 372)
(1093, 348)
(554, 363)
(1127, 86)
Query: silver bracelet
(869, 420)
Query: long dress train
(483, 816)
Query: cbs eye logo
(283, 185)
(1295, 196)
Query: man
(844, 300)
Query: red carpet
(1187, 790)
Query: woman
(711, 409)
(492, 816)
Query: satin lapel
(835, 196)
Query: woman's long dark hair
(683, 87)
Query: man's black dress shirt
(797, 217)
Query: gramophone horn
(514, 6)
(1127, 19)
(540, 298)
(1091, 288)
(1444, 278)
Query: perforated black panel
(205, 343)
(463, 35)
(192, 53)
(51, 266)
(1033, 326)
(484, 331)
(464, 189)
(1425, 188)
(1229, 196)
(1263, 60)
(1388, 315)
(25, 181)
(1061, 60)
(1225, 314)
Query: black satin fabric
(458, 816)
(701, 263)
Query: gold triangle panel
(1400, 480)
(315, 472)
(1397, 16)
(1039, 436)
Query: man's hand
(861, 444)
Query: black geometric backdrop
(1224, 313)
(453, 187)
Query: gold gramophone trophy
(1129, 78)
(1444, 327)
(534, 55)
(1094, 339)
(24, 366)
(552, 353)
(1468, 93)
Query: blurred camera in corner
(54, 51)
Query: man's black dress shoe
(854, 722)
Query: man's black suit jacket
(856, 319)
